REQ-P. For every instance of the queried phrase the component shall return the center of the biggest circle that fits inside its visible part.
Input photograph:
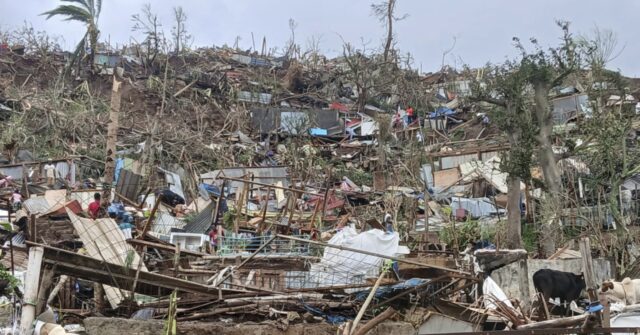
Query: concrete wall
(509, 279)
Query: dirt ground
(114, 326)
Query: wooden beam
(85, 267)
(147, 224)
(31, 289)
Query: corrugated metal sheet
(455, 161)
(262, 98)
(128, 184)
(36, 205)
(163, 224)
(175, 184)
(202, 221)
(265, 175)
(15, 172)
(256, 61)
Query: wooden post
(112, 136)
(56, 289)
(219, 203)
(45, 283)
(587, 268)
(32, 228)
(32, 280)
(176, 260)
(389, 312)
(366, 303)
(262, 223)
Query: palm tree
(87, 12)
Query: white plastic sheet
(343, 267)
(492, 291)
(630, 320)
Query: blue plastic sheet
(388, 291)
(442, 111)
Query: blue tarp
(388, 291)
(442, 111)
(318, 132)
(119, 166)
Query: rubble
(267, 195)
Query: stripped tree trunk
(112, 136)
(549, 168)
(514, 230)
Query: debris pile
(241, 189)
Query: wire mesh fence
(249, 243)
(304, 264)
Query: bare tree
(181, 36)
(291, 48)
(147, 23)
(384, 11)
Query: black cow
(566, 286)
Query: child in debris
(16, 200)
(94, 207)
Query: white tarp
(342, 267)
(630, 320)
(477, 207)
(493, 292)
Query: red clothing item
(94, 208)
(409, 111)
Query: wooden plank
(446, 177)
(88, 268)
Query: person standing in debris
(388, 222)
(50, 172)
(16, 200)
(94, 207)
(410, 115)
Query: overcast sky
(483, 30)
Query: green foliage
(466, 232)
(228, 217)
(358, 176)
(170, 325)
(530, 238)
(12, 281)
